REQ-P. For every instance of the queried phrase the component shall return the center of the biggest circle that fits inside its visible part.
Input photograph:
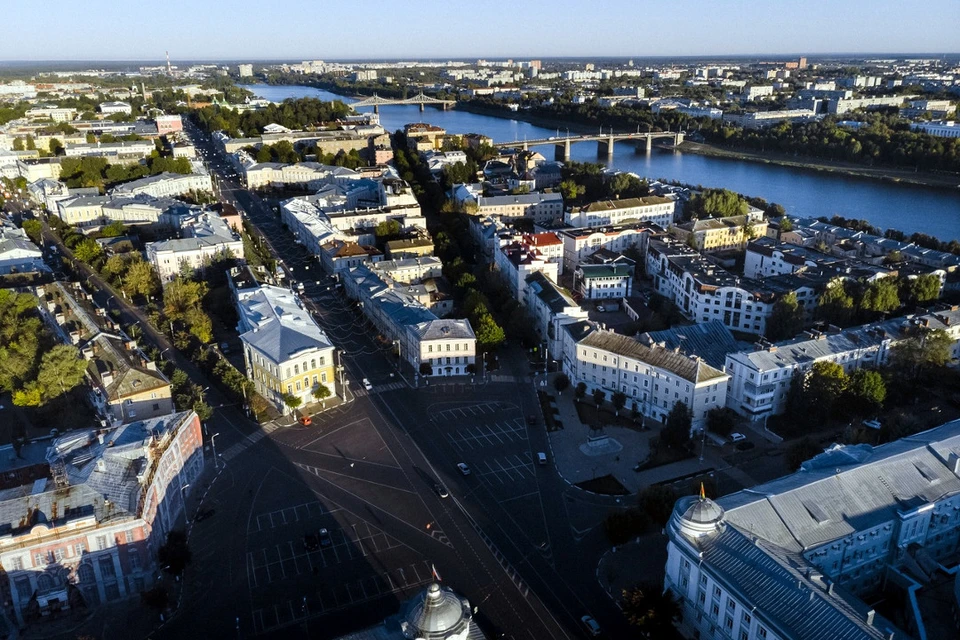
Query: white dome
(437, 614)
(696, 516)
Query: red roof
(544, 239)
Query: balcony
(758, 392)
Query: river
(803, 193)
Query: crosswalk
(236, 449)
(380, 388)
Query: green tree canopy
(866, 391)
(836, 306)
(652, 610)
(881, 296)
(489, 334)
(786, 318)
(676, 432)
(716, 203)
(61, 369)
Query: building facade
(654, 209)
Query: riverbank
(886, 174)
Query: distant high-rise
(246, 70)
(169, 68)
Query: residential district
(269, 369)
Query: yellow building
(721, 234)
(286, 353)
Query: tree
(113, 230)
(561, 382)
(786, 318)
(570, 190)
(33, 229)
(599, 395)
(156, 598)
(911, 358)
(824, 385)
(580, 391)
(489, 334)
(676, 432)
(426, 369)
(619, 400)
(55, 146)
(800, 451)
(175, 553)
(201, 327)
(387, 229)
(141, 279)
(291, 401)
(61, 369)
(31, 145)
(657, 501)
(866, 391)
(881, 296)
(320, 392)
(652, 610)
(716, 203)
(836, 306)
(87, 250)
(721, 420)
(924, 288)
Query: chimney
(870, 615)
(100, 437)
(830, 588)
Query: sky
(410, 29)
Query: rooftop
(711, 340)
(626, 203)
(276, 324)
(689, 368)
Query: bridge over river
(604, 142)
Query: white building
(516, 262)
(655, 209)
(604, 281)
(551, 307)
(539, 207)
(245, 70)
(167, 185)
(943, 129)
(206, 238)
(110, 108)
(124, 152)
(651, 376)
(18, 254)
(580, 243)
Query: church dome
(696, 516)
(437, 614)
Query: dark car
(746, 445)
(441, 490)
(325, 539)
(531, 420)
(311, 542)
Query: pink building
(84, 515)
(168, 124)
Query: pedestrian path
(380, 388)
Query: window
(134, 559)
(128, 536)
(39, 560)
(58, 555)
(761, 632)
(16, 564)
(24, 590)
(313, 363)
(101, 543)
(79, 548)
(107, 569)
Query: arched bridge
(421, 99)
(604, 142)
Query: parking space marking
(289, 515)
(507, 469)
(330, 599)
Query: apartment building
(167, 185)
(722, 234)
(101, 502)
(765, 257)
(551, 307)
(18, 254)
(284, 350)
(114, 152)
(604, 281)
(652, 377)
(703, 291)
(341, 255)
(516, 262)
(430, 346)
(580, 243)
(206, 238)
(658, 210)
(542, 208)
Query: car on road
(224, 347)
(306, 421)
(531, 420)
(367, 385)
(311, 542)
(541, 458)
(590, 626)
(441, 490)
(324, 537)
(600, 308)
(737, 437)
(464, 469)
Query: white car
(737, 437)
(367, 385)
(464, 469)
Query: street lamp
(183, 501)
(213, 444)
